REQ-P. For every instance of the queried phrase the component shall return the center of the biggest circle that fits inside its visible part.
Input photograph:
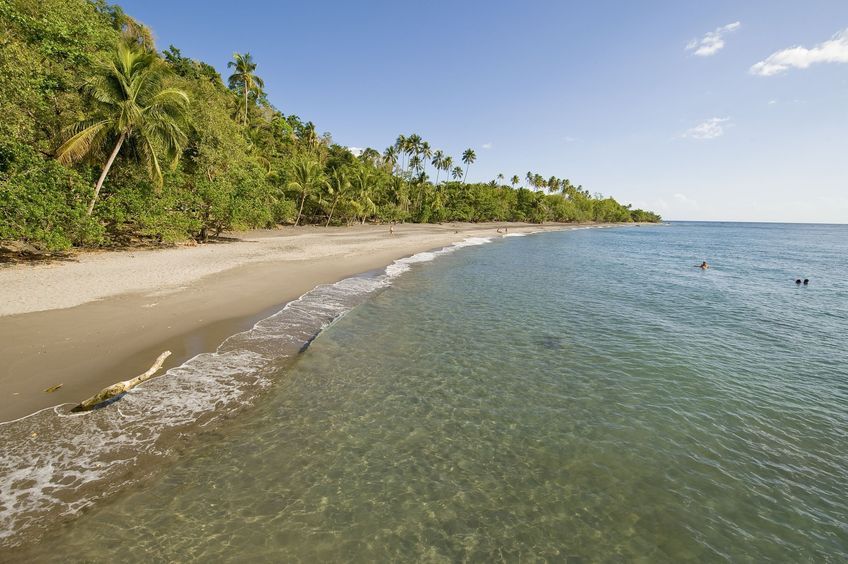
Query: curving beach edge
(82, 325)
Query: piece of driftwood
(121, 387)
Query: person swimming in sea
(703, 265)
(806, 281)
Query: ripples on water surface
(580, 394)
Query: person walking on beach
(392, 228)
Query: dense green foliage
(81, 82)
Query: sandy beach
(105, 316)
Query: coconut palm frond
(132, 103)
(81, 142)
(170, 97)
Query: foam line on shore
(54, 464)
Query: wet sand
(106, 316)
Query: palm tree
(370, 156)
(413, 146)
(362, 185)
(400, 191)
(309, 135)
(307, 176)
(438, 159)
(514, 180)
(553, 184)
(468, 157)
(500, 178)
(530, 178)
(245, 77)
(400, 148)
(447, 163)
(133, 107)
(390, 157)
(457, 172)
(425, 152)
(538, 181)
(415, 162)
(337, 186)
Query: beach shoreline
(106, 316)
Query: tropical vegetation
(106, 141)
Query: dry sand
(106, 316)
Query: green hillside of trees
(105, 141)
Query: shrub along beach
(107, 142)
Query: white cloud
(834, 50)
(772, 102)
(712, 42)
(356, 151)
(488, 145)
(709, 129)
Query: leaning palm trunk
(300, 211)
(132, 103)
(105, 172)
(331, 211)
(245, 104)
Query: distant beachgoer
(806, 281)
(798, 282)
(506, 229)
(703, 265)
(391, 228)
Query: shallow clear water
(583, 394)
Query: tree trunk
(464, 175)
(245, 103)
(105, 172)
(121, 387)
(331, 211)
(300, 211)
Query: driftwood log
(121, 387)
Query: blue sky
(655, 103)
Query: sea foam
(54, 463)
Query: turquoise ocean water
(582, 396)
